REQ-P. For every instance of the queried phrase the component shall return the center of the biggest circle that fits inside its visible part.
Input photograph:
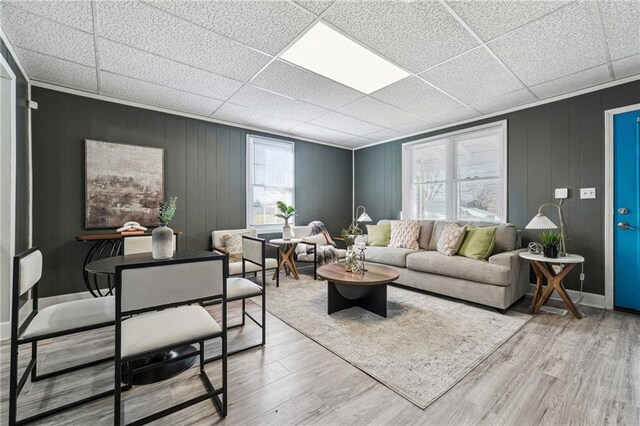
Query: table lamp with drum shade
(540, 221)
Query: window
(457, 176)
(270, 178)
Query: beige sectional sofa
(498, 282)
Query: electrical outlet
(587, 193)
(562, 193)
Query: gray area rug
(424, 346)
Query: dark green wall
(557, 145)
(22, 153)
(204, 167)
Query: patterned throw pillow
(404, 234)
(233, 242)
(451, 239)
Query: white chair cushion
(239, 288)
(69, 315)
(235, 268)
(155, 330)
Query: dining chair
(53, 321)
(133, 244)
(239, 288)
(162, 302)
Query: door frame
(609, 167)
(9, 114)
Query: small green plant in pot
(550, 241)
(286, 213)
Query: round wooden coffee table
(368, 290)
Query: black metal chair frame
(261, 324)
(315, 258)
(222, 250)
(15, 384)
(211, 392)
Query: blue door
(627, 208)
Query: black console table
(105, 245)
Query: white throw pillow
(320, 239)
(233, 243)
(451, 239)
(404, 234)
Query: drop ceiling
(221, 59)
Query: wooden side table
(543, 268)
(287, 255)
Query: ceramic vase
(162, 242)
(349, 258)
(286, 232)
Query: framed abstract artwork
(122, 183)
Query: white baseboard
(588, 299)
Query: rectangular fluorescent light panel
(325, 51)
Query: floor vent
(552, 310)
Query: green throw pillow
(478, 242)
(379, 235)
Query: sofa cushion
(478, 242)
(451, 239)
(379, 235)
(459, 267)
(393, 256)
(426, 228)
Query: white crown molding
(76, 92)
(4, 38)
(510, 110)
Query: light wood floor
(556, 370)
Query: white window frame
(452, 197)
(265, 228)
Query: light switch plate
(562, 193)
(587, 193)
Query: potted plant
(162, 236)
(286, 212)
(550, 240)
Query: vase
(349, 258)
(162, 242)
(286, 232)
(550, 251)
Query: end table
(286, 255)
(543, 268)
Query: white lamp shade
(364, 217)
(540, 221)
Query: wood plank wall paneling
(556, 145)
(205, 166)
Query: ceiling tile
(566, 41)
(417, 97)
(346, 124)
(621, 22)
(265, 25)
(572, 82)
(504, 101)
(58, 71)
(383, 135)
(473, 76)
(416, 35)
(251, 117)
(377, 112)
(41, 35)
(76, 14)
(415, 126)
(315, 6)
(304, 85)
(263, 100)
(322, 134)
(505, 15)
(626, 67)
(129, 89)
(134, 63)
(147, 28)
(458, 114)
